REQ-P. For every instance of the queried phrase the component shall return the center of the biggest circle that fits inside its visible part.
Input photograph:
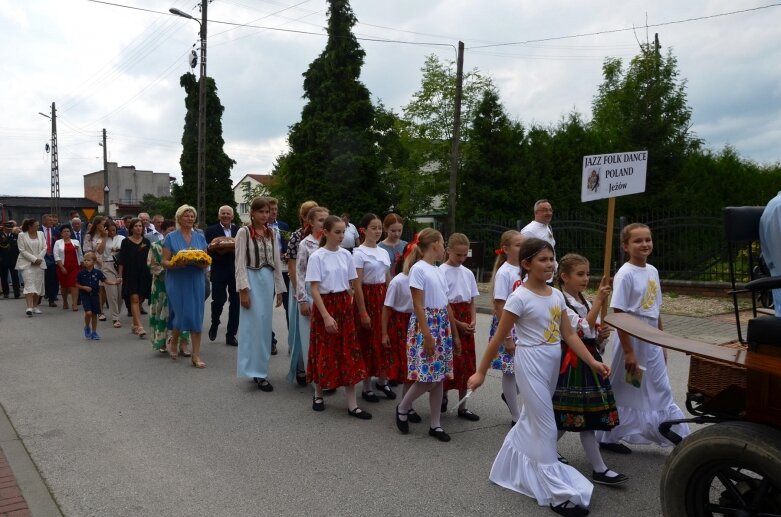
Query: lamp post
(105, 175)
(201, 181)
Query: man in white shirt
(540, 227)
(351, 235)
(149, 229)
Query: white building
(127, 187)
(259, 183)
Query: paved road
(116, 429)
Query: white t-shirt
(374, 262)
(398, 296)
(431, 280)
(351, 236)
(637, 290)
(539, 231)
(539, 317)
(577, 318)
(461, 283)
(333, 269)
(507, 280)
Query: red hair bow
(410, 246)
(499, 251)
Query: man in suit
(279, 228)
(223, 277)
(9, 251)
(78, 231)
(50, 234)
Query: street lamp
(201, 181)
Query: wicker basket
(710, 377)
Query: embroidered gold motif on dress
(649, 298)
(552, 333)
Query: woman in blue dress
(185, 285)
(258, 279)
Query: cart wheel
(731, 468)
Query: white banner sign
(613, 175)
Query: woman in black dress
(133, 269)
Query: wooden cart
(734, 466)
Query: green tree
(158, 205)
(429, 123)
(489, 178)
(333, 154)
(644, 107)
(219, 190)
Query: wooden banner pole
(611, 212)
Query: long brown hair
(328, 225)
(258, 204)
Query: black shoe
(385, 389)
(52, 304)
(569, 509)
(603, 479)
(301, 378)
(17, 296)
(402, 425)
(467, 415)
(330, 391)
(369, 396)
(439, 434)
(213, 331)
(413, 417)
(143, 312)
(618, 448)
(562, 459)
(443, 407)
(231, 341)
(512, 423)
(359, 413)
(318, 404)
(264, 385)
(393, 384)
(274, 350)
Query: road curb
(33, 487)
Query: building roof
(264, 179)
(45, 202)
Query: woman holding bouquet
(185, 283)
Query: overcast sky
(116, 68)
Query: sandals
(171, 352)
(569, 509)
(197, 363)
(468, 415)
(359, 413)
(141, 332)
(117, 324)
(101, 317)
(385, 389)
(184, 353)
(318, 404)
(439, 434)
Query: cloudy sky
(117, 68)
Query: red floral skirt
(335, 359)
(464, 365)
(375, 356)
(397, 351)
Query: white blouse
(265, 254)
(374, 262)
(461, 284)
(333, 269)
(431, 280)
(398, 296)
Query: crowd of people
(367, 310)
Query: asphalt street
(117, 429)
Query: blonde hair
(501, 258)
(426, 238)
(457, 239)
(304, 209)
(626, 233)
(181, 211)
(568, 263)
(90, 255)
(310, 216)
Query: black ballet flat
(369, 396)
(468, 415)
(569, 509)
(439, 434)
(385, 389)
(413, 417)
(402, 425)
(618, 448)
(443, 407)
(318, 404)
(359, 413)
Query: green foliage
(219, 190)
(158, 205)
(429, 124)
(333, 154)
(250, 192)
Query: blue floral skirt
(438, 366)
(503, 360)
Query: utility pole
(201, 205)
(451, 205)
(105, 176)
(54, 204)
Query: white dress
(636, 290)
(527, 462)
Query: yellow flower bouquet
(191, 257)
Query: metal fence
(687, 246)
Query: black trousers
(50, 284)
(224, 289)
(5, 268)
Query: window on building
(243, 210)
(129, 194)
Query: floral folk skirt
(438, 366)
(465, 364)
(398, 322)
(375, 355)
(503, 361)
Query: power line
(613, 31)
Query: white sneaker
(37, 311)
